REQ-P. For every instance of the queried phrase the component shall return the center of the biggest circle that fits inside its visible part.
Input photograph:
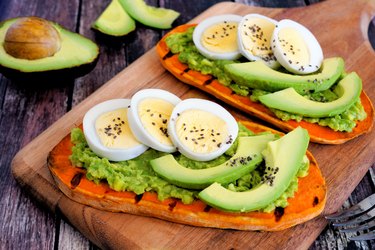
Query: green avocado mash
(182, 44)
(136, 175)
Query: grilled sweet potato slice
(307, 203)
(207, 83)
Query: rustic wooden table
(27, 110)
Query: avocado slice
(258, 75)
(283, 158)
(160, 18)
(76, 56)
(246, 159)
(348, 90)
(114, 20)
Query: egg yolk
(201, 131)
(154, 114)
(256, 34)
(221, 37)
(293, 46)
(114, 131)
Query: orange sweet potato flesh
(307, 203)
(207, 83)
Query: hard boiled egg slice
(107, 131)
(148, 116)
(202, 130)
(296, 48)
(254, 39)
(216, 37)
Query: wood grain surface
(26, 111)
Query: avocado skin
(48, 76)
(257, 75)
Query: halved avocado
(247, 158)
(114, 20)
(160, 18)
(348, 90)
(75, 56)
(283, 158)
(258, 75)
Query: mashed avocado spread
(182, 44)
(136, 175)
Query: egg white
(135, 122)
(244, 31)
(93, 140)
(202, 26)
(314, 49)
(208, 106)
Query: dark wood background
(27, 109)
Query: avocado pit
(32, 38)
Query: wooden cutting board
(341, 28)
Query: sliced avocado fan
(258, 75)
(246, 159)
(348, 90)
(283, 158)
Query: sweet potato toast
(307, 203)
(209, 84)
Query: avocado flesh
(160, 18)
(75, 51)
(348, 89)
(286, 154)
(258, 75)
(114, 20)
(252, 146)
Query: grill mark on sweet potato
(168, 55)
(172, 205)
(207, 208)
(138, 198)
(185, 71)
(316, 201)
(279, 212)
(76, 180)
(207, 82)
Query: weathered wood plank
(331, 238)
(26, 111)
(18, 106)
(273, 3)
